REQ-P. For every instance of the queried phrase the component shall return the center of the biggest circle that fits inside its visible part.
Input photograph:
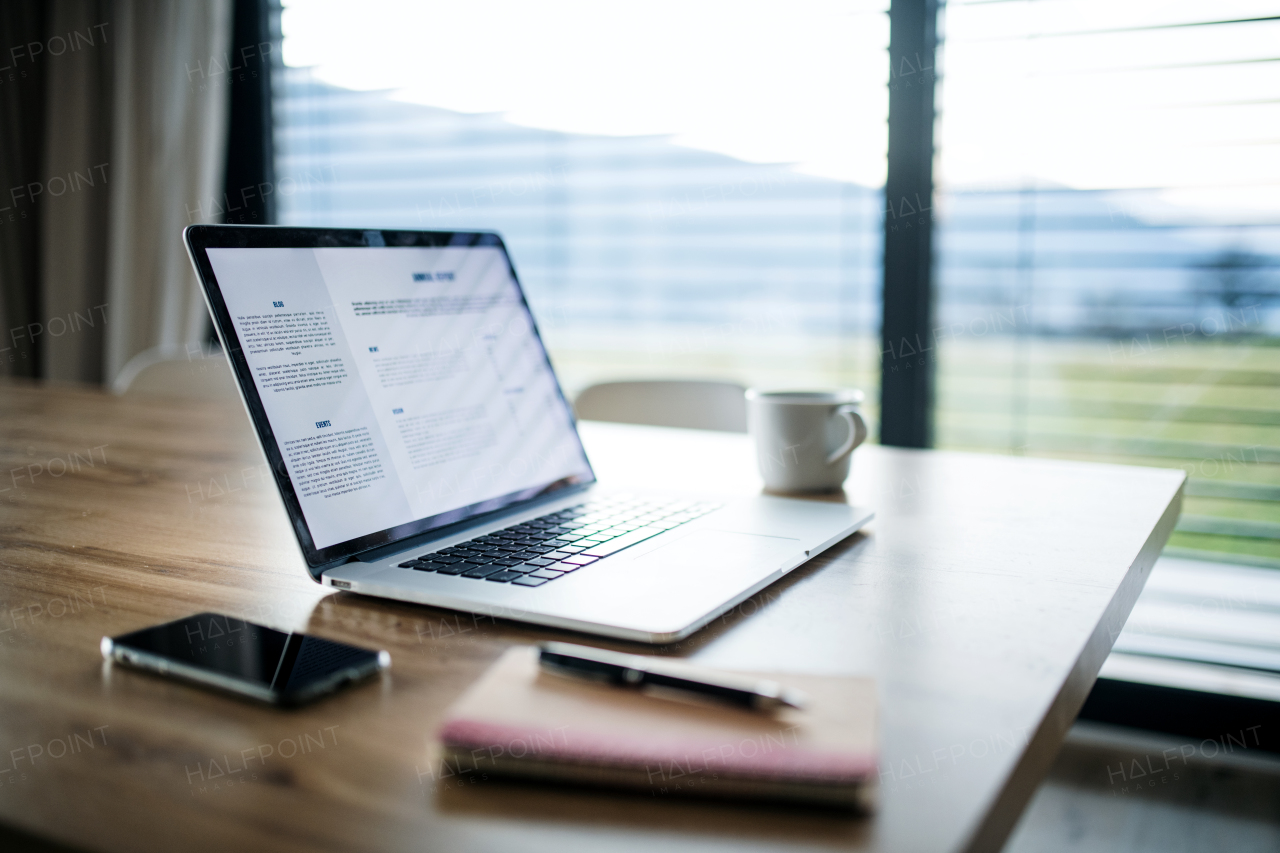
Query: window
(1108, 261)
(687, 189)
(682, 205)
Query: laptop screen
(401, 384)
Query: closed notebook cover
(520, 719)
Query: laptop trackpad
(716, 560)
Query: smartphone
(246, 659)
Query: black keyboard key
(539, 561)
(503, 577)
(446, 558)
(526, 580)
(540, 549)
(408, 564)
(505, 535)
(478, 560)
(427, 567)
(529, 540)
(483, 571)
(526, 555)
(455, 569)
(511, 549)
(507, 561)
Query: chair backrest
(674, 403)
(164, 373)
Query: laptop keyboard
(538, 551)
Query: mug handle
(857, 433)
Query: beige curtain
(147, 115)
(74, 222)
(22, 22)
(169, 141)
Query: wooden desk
(984, 598)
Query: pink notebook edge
(762, 757)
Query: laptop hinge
(373, 555)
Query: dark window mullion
(907, 346)
(249, 194)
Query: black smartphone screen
(234, 653)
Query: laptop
(425, 452)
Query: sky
(804, 82)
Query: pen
(639, 672)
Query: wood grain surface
(983, 599)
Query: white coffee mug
(804, 438)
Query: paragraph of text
(291, 333)
(446, 436)
(304, 374)
(429, 306)
(334, 464)
(418, 367)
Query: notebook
(519, 721)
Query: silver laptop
(426, 453)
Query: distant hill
(612, 230)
